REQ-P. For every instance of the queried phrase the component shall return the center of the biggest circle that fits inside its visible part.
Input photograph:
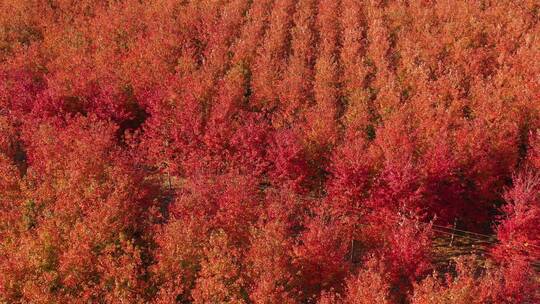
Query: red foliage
(369, 285)
(270, 264)
(518, 231)
(221, 277)
(290, 163)
(512, 284)
(295, 90)
(82, 220)
(269, 63)
(322, 256)
(212, 151)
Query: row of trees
(239, 151)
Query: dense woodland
(269, 151)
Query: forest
(270, 151)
